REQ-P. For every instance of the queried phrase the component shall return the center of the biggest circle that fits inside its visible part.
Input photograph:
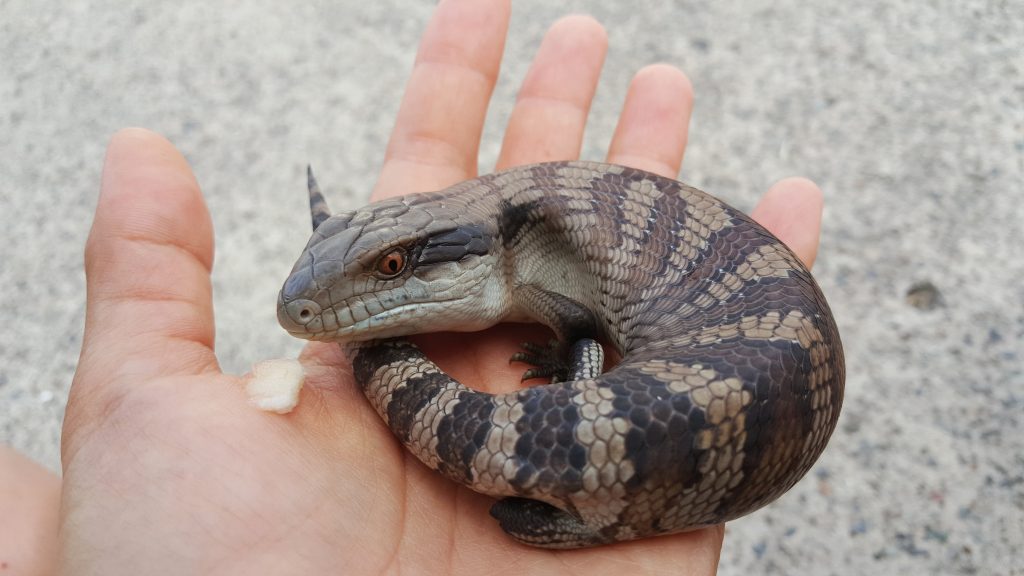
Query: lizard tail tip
(317, 205)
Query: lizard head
(408, 265)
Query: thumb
(149, 309)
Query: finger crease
(488, 78)
(193, 254)
(554, 102)
(429, 150)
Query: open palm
(166, 466)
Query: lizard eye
(391, 264)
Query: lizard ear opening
(318, 209)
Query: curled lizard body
(731, 374)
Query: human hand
(166, 466)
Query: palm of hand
(167, 465)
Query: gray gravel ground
(910, 115)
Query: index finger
(437, 134)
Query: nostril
(299, 314)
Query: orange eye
(392, 263)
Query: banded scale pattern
(731, 377)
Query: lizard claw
(547, 361)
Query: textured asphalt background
(910, 115)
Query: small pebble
(924, 296)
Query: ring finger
(654, 124)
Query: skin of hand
(168, 469)
(29, 508)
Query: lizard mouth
(412, 319)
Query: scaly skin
(731, 378)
